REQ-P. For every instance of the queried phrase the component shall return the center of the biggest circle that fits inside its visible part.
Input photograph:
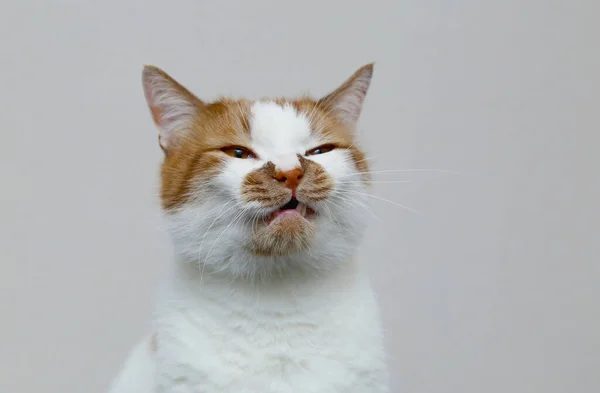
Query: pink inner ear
(156, 114)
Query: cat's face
(257, 187)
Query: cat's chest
(318, 336)
(274, 354)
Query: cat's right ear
(347, 100)
(172, 106)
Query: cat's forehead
(269, 126)
(278, 125)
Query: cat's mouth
(293, 208)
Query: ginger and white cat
(262, 200)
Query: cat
(265, 204)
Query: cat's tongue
(282, 214)
(286, 212)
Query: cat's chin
(284, 232)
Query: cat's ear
(172, 106)
(347, 100)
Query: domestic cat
(263, 201)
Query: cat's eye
(238, 152)
(320, 150)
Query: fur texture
(264, 203)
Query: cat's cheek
(337, 163)
(233, 174)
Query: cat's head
(260, 187)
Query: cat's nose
(290, 178)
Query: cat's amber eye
(320, 150)
(238, 152)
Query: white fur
(279, 134)
(229, 321)
(137, 373)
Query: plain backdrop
(492, 286)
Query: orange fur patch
(198, 156)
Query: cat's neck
(187, 280)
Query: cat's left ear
(173, 107)
(347, 100)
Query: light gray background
(493, 287)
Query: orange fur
(219, 124)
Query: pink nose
(290, 178)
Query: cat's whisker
(381, 199)
(311, 115)
(368, 158)
(204, 236)
(221, 214)
(355, 202)
(245, 122)
(332, 216)
(316, 109)
(328, 163)
(191, 225)
(237, 217)
(238, 174)
(249, 175)
(399, 171)
(377, 181)
(329, 201)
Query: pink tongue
(284, 214)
